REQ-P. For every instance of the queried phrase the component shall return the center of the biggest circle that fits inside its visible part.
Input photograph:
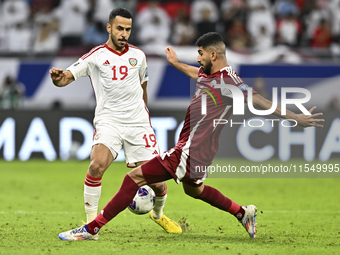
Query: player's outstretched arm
(191, 71)
(302, 119)
(61, 78)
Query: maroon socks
(118, 203)
(215, 198)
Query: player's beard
(207, 68)
(116, 43)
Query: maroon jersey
(199, 138)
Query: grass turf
(39, 199)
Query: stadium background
(52, 123)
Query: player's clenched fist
(191, 71)
(171, 55)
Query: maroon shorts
(172, 164)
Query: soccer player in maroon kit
(198, 141)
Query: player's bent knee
(137, 176)
(97, 168)
(189, 193)
(158, 187)
(193, 191)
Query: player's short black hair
(209, 39)
(122, 12)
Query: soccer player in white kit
(119, 75)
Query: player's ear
(213, 55)
(108, 28)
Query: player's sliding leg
(157, 215)
(244, 214)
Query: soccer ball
(144, 200)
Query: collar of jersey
(116, 52)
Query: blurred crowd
(70, 27)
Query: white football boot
(249, 220)
(80, 233)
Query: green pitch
(39, 199)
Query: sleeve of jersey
(79, 69)
(244, 88)
(143, 72)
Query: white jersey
(116, 79)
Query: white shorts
(139, 143)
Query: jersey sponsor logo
(106, 63)
(75, 64)
(243, 87)
(155, 153)
(133, 61)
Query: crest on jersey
(133, 61)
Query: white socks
(91, 198)
(157, 211)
